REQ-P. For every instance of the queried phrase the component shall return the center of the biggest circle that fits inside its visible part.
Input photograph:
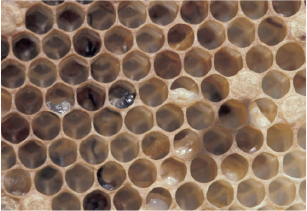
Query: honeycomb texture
(172, 105)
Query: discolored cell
(46, 125)
(39, 19)
(127, 198)
(224, 10)
(272, 31)
(32, 154)
(241, 32)
(265, 166)
(101, 15)
(173, 171)
(167, 64)
(118, 40)
(194, 12)
(8, 156)
(290, 56)
(197, 62)
(286, 8)
(56, 44)
(25, 46)
(250, 192)
(215, 88)
(153, 92)
(52, 2)
(14, 128)
(139, 125)
(169, 117)
(299, 82)
(17, 182)
(301, 136)
(200, 115)
(234, 167)
(96, 200)
(180, 37)
(158, 199)
(184, 90)
(150, 38)
(77, 124)
(155, 145)
(189, 196)
(136, 65)
(280, 137)
(63, 152)
(232, 113)
(275, 84)
(60, 98)
(259, 58)
(186, 143)
(48, 180)
(87, 42)
(220, 193)
(254, 9)
(122, 94)
(6, 101)
(124, 147)
(66, 201)
(249, 139)
(282, 191)
(294, 164)
(29, 100)
(203, 168)
(90, 96)
(162, 12)
(132, 13)
(107, 122)
(5, 48)
(69, 17)
(94, 150)
(13, 74)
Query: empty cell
(63, 152)
(105, 68)
(8, 156)
(282, 191)
(148, 173)
(301, 136)
(25, 46)
(290, 56)
(272, 31)
(259, 58)
(66, 201)
(189, 196)
(250, 193)
(263, 111)
(96, 200)
(87, 42)
(153, 92)
(275, 84)
(107, 122)
(52, 2)
(122, 94)
(56, 44)
(69, 17)
(101, 15)
(42, 73)
(169, 117)
(118, 40)
(173, 171)
(127, 198)
(80, 178)
(249, 139)
(232, 113)
(158, 199)
(241, 32)
(200, 115)
(215, 88)
(77, 124)
(150, 38)
(124, 147)
(220, 193)
(39, 19)
(132, 13)
(139, 125)
(302, 190)
(197, 62)
(163, 12)
(14, 128)
(280, 137)
(203, 168)
(155, 145)
(299, 82)
(111, 175)
(13, 74)
(167, 64)
(254, 9)
(17, 182)
(28, 100)
(48, 180)
(46, 125)
(194, 12)
(265, 166)
(136, 65)
(60, 98)
(186, 143)
(294, 164)
(32, 154)
(180, 37)
(94, 150)
(217, 140)
(6, 101)
(90, 96)
(286, 8)
(297, 207)
(5, 48)
(224, 10)
(234, 167)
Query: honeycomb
(161, 105)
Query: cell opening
(294, 164)
(254, 9)
(17, 182)
(25, 46)
(220, 193)
(39, 19)
(48, 180)
(108, 122)
(132, 13)
(29, 100)
(167, 64)
(158, 199)
(184, 90)
(66, 201)
(286, 8)
(259, 58)
(8, 156)
(46, 125)
(203, 168)
(6, 101)
(124, 147)
(272, 31)
(189, 196)
(56, 44)
(32, 154)
(15, 128)
(249, 139)
(186, 143)
(97, 200)
(180, 37)
(77, 124)
(101, 15)
(173, 171)
(241, 32)
(155, 145)
(265, 166)
(299, 82)
(127, 198)
(275, 84)
(150, 38)
(94, 150)
(232, 113)
(5, 48)
(153, 92)
(90, 96)
(69, 17)
(282, 191)
(87, 42)
(194, 12)
(197, 62)
(301, 136)
(13, 74)
(200, 115)
(290, 56)
(250, 193)
(163, 12)
(148, 175)
(234, 167)
(169, 117)
(280, 137)
(122, 94)
(63, 152)
(136, 65)
(118, 40)
(139, 125)
(224, 10)
(215, 88)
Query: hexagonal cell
(42, 72)
(263, 111)
(80, 178)
(5, 48)
(105, 68)
(220, 193)
(148, 175)
(299, 82)
(280, 137)
(73, 70)
(282, 191)
(254, 9)
(167, 64)
(200, 115)
(52, 2)
(124, 147)
(184, 90)
(77, 124)
(132, 13)
(272, 31)
(25, 46)
(158, 199)
(194, 12)
(301, 136)
(56, 44)
(186, 143)
(108, 122)
(90, 96)
(39, 19)
(286, 8)
(66, 201)
(180, 37)
(297, 207)
(111, 175)
(14, 128)
(189, 196)
(275, 84)
(290, 56)
(60, 98)
(118, 40)
(101, 15)
(217, 140)
(259, 58)
(250, 193)
(153, 92)
(150, 38)
(8, 156)
(28, 100)
(6, 101)
(173, 171)
(32, 154)
(122, 94)
(215, 88)
(48, 180)
(139, 125)
(211, 35)
(203, 168)
(302, 190)
(265, 166)
(169, 117)
(241, 32)
(294, 164)
(155, 145)
(249, 139)
(136, 65)
(228, 61)
(234, 167)
(13, 74)
(197, 62)
(94, 150)
(46, 125)
(97, 200)
(127, 198)
(224, 10)
(63, 152)
(17, 182)
(69, 17)
(87, 42)
(162, 12)
(232, 113)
